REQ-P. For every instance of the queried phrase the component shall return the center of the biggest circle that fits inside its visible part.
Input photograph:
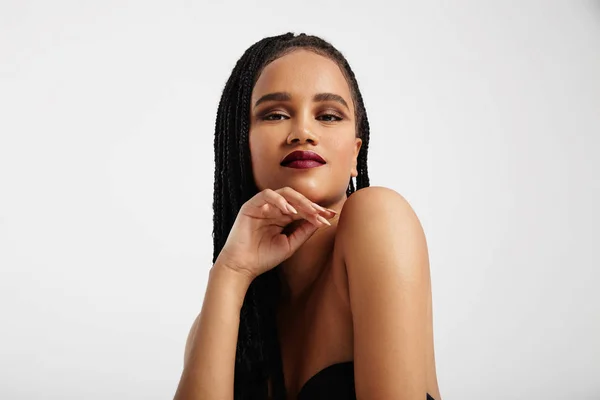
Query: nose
(302, 132)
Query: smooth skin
(254, 246)
(356, 289)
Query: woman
(316, 291)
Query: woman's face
(308, 107)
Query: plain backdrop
(484, 115)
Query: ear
(358, 144)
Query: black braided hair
(258, 357)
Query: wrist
(235, 283)
(242, 272)
(239, 275)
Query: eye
(274, 117)
(329, 117)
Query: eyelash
(267, 117)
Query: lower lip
(303, 164)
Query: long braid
(258, 355)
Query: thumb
(301, 234)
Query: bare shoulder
(378, 227)
(386, 261)
(376, 208)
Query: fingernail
(323, 220)
(292, 209)
(318, 207)
(330, 210)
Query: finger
(269, 196)
(325, 211)
(304, 204)
(323, 214)
(268, 200)
(298, 199)
(276, 201)
(304, 231)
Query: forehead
(302, 73)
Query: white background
(484, 115)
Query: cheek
(255, 147)
(260, 152)
(345, 148)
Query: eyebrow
(285, 96)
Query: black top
(333, 382)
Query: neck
(299, 272)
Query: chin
(319, 191)
(312, 191)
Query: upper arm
(386, 259)
(188, 343)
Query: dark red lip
(301, 156)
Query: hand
(257, 243)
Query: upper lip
(302, 155)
